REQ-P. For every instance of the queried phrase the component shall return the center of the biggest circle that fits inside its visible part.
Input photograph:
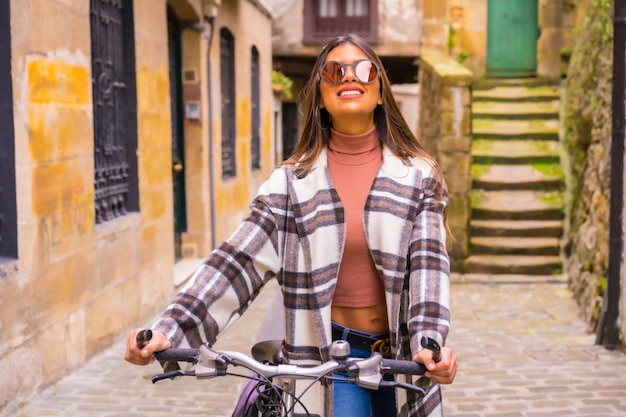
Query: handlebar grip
(393, 366)
(177, 354)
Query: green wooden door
(512, 33)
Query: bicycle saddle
(268, 351)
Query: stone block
(55, 356)
(549, 62)
(453, 97)
(123, 247)
(434, 36)
(110, 313)
(435, 9)
(456, 123)
(56, 26)
(456, 169)
(454, 144)
(156, 283)
(75, 339)
(55, 292)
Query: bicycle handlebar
(266, 362)
(190, 355)
(367, 373)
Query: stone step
(515, 129)
(523, 228)
(515, 92)
(513, 264)
(548, 109)
(518, 177)
(517, 205)
(491, 245)
(512, 151)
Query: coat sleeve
(429, 278)
(229, 279)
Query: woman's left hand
(442, 372)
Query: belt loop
(344, 333)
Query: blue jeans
(354, 401)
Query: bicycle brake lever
(432, 345)
(170, 375)
(403, 385)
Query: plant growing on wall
(282, 83)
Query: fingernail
(430, 366)
(144, 353)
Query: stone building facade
(460, 28)
(98, 99)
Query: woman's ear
(380, 99)
(322, 103)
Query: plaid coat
(295, 233)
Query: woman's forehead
(346, 52)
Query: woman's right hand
(144, 355)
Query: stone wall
(76, 285)
(445, 132)
(587, 134)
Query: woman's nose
(349, 73)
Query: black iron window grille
(227, 78)
(114, 108)
(255, 146)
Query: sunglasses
(333, 72)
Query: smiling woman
(352, 227)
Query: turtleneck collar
(354, 149)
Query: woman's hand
(442, 372)
(143, 355)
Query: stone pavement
(523, 352)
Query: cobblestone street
(523, 352)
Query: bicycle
(272, 392)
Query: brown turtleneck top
(353, 161)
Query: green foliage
(587, 111)
(451, 32)
(283, 83)
(463, 55)
(602, 285)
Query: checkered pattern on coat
(295, 233)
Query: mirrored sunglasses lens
(366, 71)
(332, 73)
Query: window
(255, 102)
(227, 78)
(324, 19)
(114, 108)
(8, 202)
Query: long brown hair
(391, 126)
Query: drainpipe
(211, 21)
(609, 324)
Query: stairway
(517, 200)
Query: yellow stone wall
(233, 196)
(76, 285)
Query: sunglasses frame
(343, 71)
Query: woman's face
(350, 103)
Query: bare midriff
(366, 319)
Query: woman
(352, 227)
